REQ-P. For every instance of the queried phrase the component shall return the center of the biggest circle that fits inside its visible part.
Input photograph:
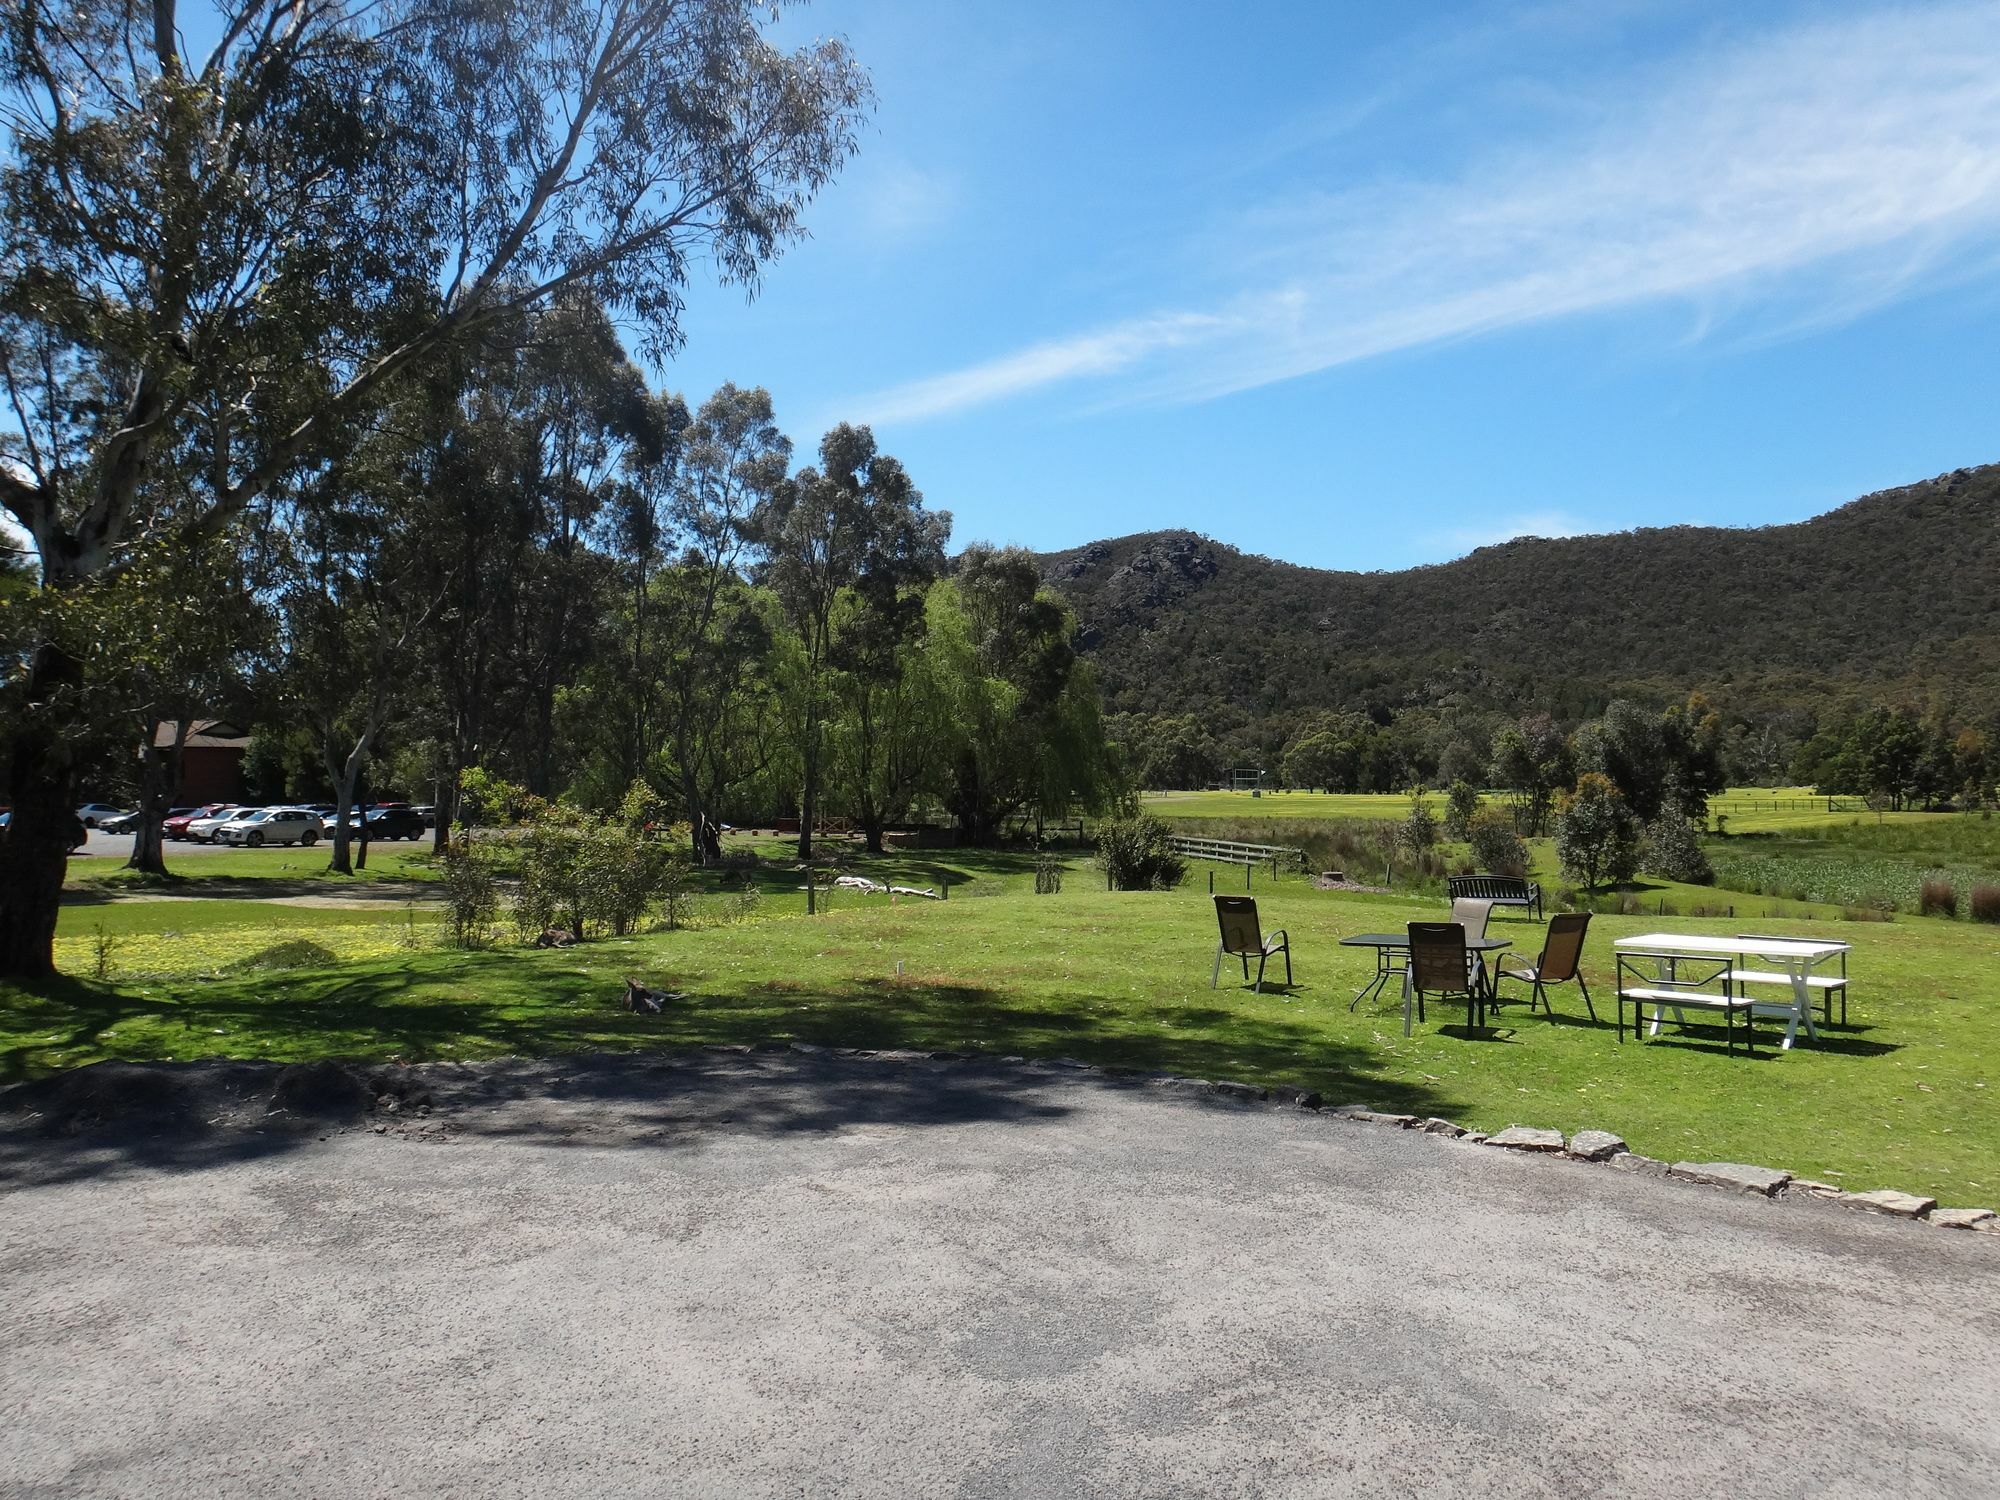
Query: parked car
(271, 825)
(175, 824)
(390, 823)
(428, 813)
(93, 814)
(202, 829)
(123, 823)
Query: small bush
(1497, 847)
(1048, 873)
(743, 903)
(1937, 898)
(471, 896)
(1985, 905)
(580, 871)
(1674, 853)
(1137, 854)
(1461, 805)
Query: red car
(175, 824)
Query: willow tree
(853, 522)
(214, 261)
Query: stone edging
(1586, 1145)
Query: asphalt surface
(101, 845)
(775, 1275)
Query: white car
(93, 814)
(202, 830)
(272, 825)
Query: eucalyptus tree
(710, 635)
(854, 522)
(220, 258)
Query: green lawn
(197, 863)
(1318, 805)
(1904, 1097)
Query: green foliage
(471, 894)
(1597, 838)
(1137, 854)
(1420, 827)
(487, 800)
(1673, 851)
(581, 873)
(1461, 804)
(1497, 847)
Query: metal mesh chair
(1560, 962)
(1243, 938)
(1440, 964)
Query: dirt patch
(319, 1090)
(1322, 883)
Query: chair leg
(1288, 963)
(1216, 978)
(1261, 961)
(1586, 997)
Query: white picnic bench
(1652, 972)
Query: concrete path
(774, 1275)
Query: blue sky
(1366, 285)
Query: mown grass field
(1904, 1097)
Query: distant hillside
(1896, 594)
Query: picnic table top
(1765, 947)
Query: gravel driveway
(781, 1275)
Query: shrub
(1137, 854)
(471, 896)
(1496, 847)
(580, 871)
(1985, 906)
(1674, 853)
(1420, 829)
(1048, 873)
(1937, 898)
(1461, 804)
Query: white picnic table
(1792, 961)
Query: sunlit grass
(1904, 1097)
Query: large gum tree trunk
(34, 848)
(159, 785)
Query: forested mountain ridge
(1892, 596)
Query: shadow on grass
(562, 1085)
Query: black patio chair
(1440, 965)
(1244, 938)
(1560, 962)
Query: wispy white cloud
(1800, 178)
(896, 202)
(1101, 353)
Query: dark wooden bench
(1501, 890)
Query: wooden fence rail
(1231, 852)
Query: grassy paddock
(1904, 1097)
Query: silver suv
(272, 825)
